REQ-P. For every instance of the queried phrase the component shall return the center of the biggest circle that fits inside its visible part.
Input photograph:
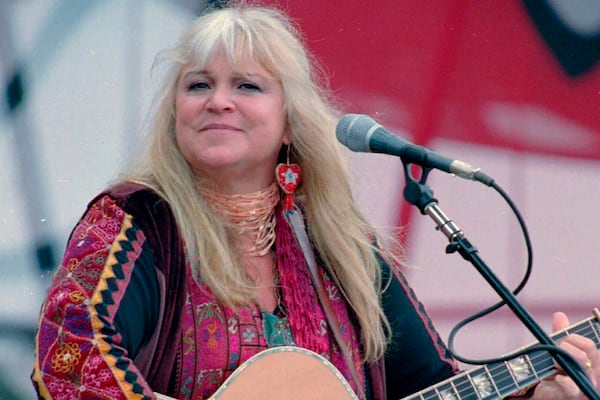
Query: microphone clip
(416, 192)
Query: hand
(584, 350)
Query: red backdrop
(455, 69)
(493, 72)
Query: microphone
(360, 133)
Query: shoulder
(130, 195)
(143, 203)
(149, 212)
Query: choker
(252, 215)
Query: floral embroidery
(77, 297)
(212, 341)
(249, 335)
(66, 357)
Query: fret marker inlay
(520, 368)
(447, 395)
(483, 385)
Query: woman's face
(230, 123)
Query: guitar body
(284, 373)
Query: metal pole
(33, 193)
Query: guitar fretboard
(498, 380)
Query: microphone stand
(420, 195)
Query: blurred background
(512, 87)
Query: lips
(219, 127)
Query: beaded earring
(288, 178)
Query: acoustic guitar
(309, 376)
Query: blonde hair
(341, 235)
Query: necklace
(252, 215)
(279, 306)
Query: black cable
(517, 290)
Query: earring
(288, 178)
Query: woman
(235, 232)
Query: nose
(220, 100)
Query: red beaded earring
(288, 178)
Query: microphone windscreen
(353, 131)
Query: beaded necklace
(253, 215)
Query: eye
(249, 86)
(195, 86)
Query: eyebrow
(193, 72)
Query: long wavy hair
(342, 237)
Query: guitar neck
(498, 380)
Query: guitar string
(586, 329)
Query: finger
(559, 321)
(587, 346)
(585, 352)
(570, 345)
(581, 342)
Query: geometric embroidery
(74, 355)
